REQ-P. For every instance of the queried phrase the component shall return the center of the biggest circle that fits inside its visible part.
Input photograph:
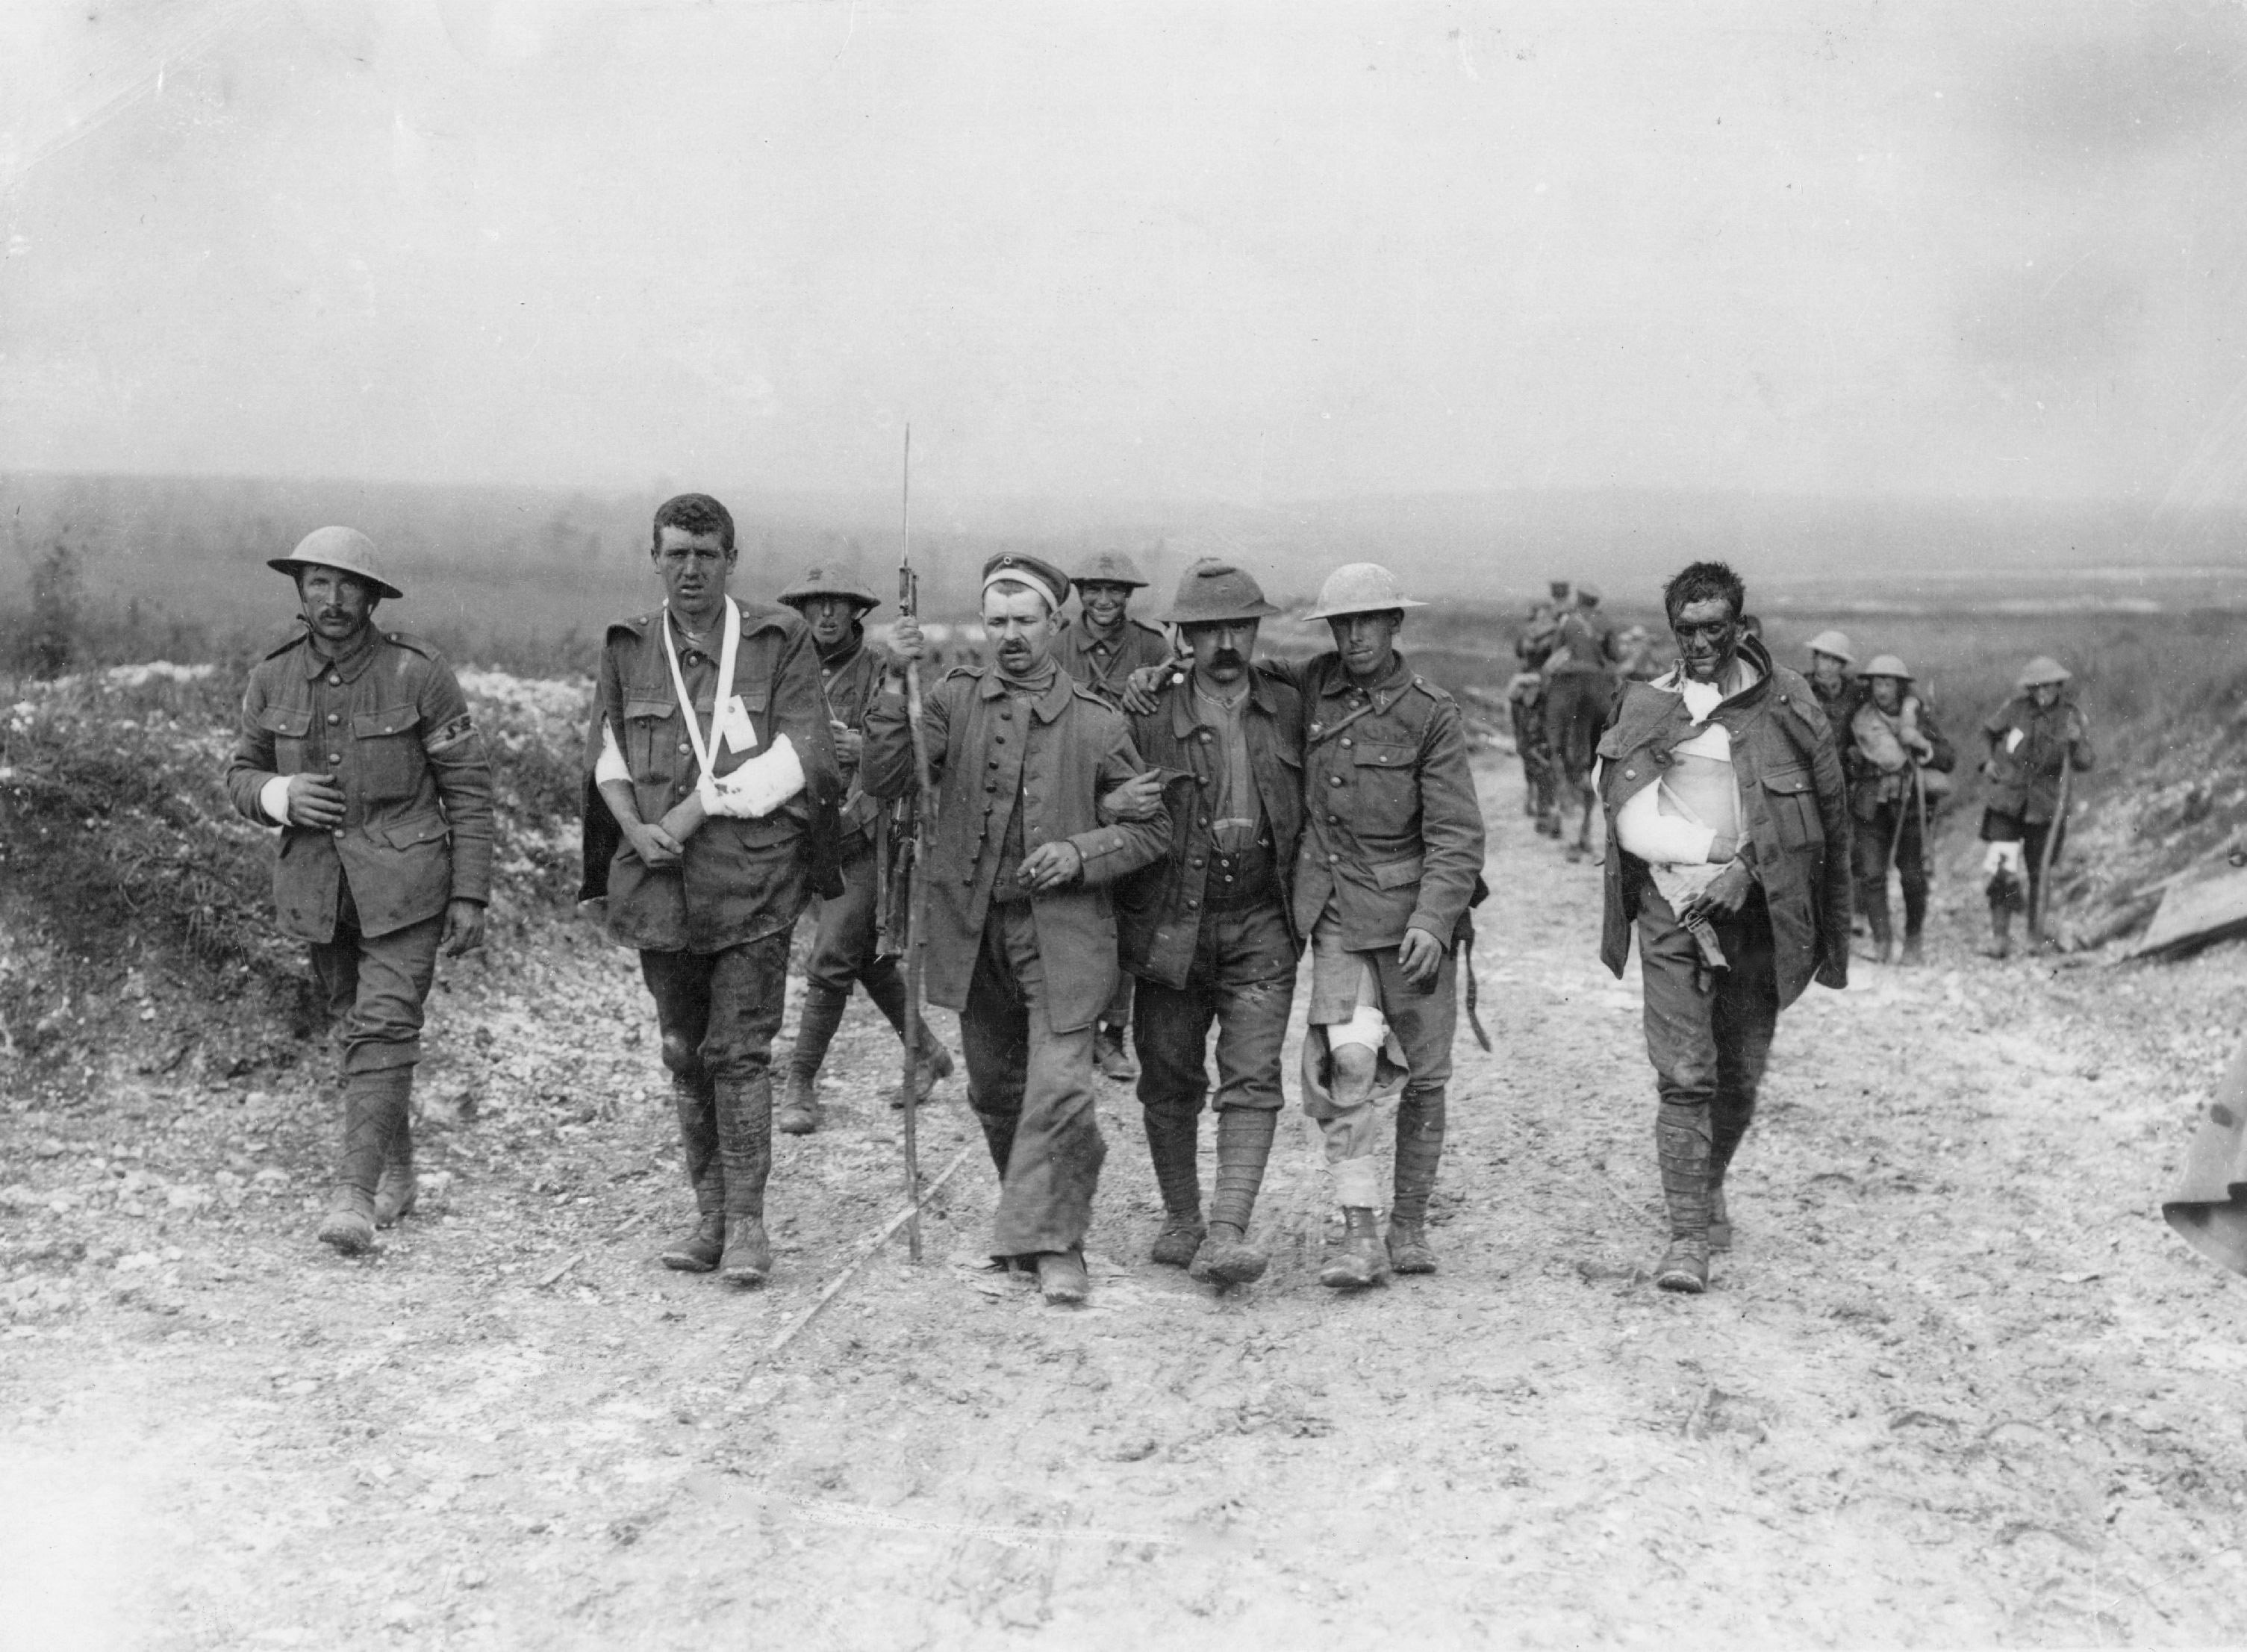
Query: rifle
(910, 865)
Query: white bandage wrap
(1366, 1025)
(273, 798)
(758, 787)
(2004, 860)
(1357, 1181)
(611, 764)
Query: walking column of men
(1121, 835)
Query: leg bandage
(1366, 1027)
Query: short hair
(1702, 582)
(692, 514)
(1030, 585)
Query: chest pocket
(288, 724)
(1793, 805)
(386, 753)
(650, 729)
(1387, 803)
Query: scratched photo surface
(1925, 319)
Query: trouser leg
(1681, 1042)
(1911, 873)
(1424, 1020)
(1743, 1019)
(1171, 1029)
(1045, 1203)
(680, 983)
(994, 1036)
(747, 984)
(1868, 852)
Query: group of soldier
(1108, 831)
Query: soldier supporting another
(715, 760)
(1100, 649)
(2035, 739)
(357, 743)
(1892, 744)
(1207, 929)
(834, 604)
(1728, 845)
(1391, 856)
(1020, 935)
(1580, 690)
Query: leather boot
(374, 1104)
(1728, 1117)
(2001, 931)
(696, 1249)
(1110, 1055)
(1876, 919)
(1061, 1278)
(399, 1190)
(933, 1062)
(1174, 1144)
(745, 1149)
(1420, 1150)
(1244, 1147)
(931, 1066)
(1680, 1139)
(822, 1013)
(1362, 1259)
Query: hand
(1722, 848)
(1722, 898)
(314, 799)
(686, 818)
(1050, 866)
(1918, 744)
(656, 847)
(464, 927)
(1137, 693)
(1138, 798)
(1420, 956)
(905, 641)
(850, 746)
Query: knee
(680, 1056)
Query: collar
(1339, 681)
(347, 666)
(850, 650)
(1047, 706)
(1184, 722)
(1095, 638)
(1750, 669)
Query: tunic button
(334, 719)
(1333, 859)
(335, 831)
(1192, 904)
(335, 757)
(1196, 861)
(1205, 738)
(1346, 742)
(1333, 820)
(1334, 780)
(682, 749)
(998, 740)
(1205, 820)
(1630, 774)
(334, 681)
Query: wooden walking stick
(915, 885)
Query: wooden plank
(2197, 914)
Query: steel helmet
(1360, 588)
(1888, 665)
(2041, 670)
(1213, 591)
(1836, 643)
(823, 581)
(341, 548)
(1109, 568)
(1587, 594)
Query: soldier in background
(834, 604)
(714, 758)
(357, 743)
(1893, 742)
(1641, 662)
(1100, 649)
(2036, 740)
(1580, 689)
(1836, 689)
(1526, 698)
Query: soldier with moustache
(715, 763)
(1100, 650)
(1021, 931)
(847, 950)
(355, 742)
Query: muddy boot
(1420, 1150)
(799, 1112)
(2001, 931)
(696, 1249)
(1061, 1278)
(1109, 1056)
(1362, 1259)
(1680, 1137)
(1876, 919)
(887, 989)
(374, 1106)
(1174, 1144)
(1914, 953)
(745, 1151)
(1244, 1147)
(932, 1065)
(399, 1191)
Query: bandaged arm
(1665, 840)
(758, 787)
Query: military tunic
(1103, 664)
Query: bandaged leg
(1356, 1045)
(2004, 874)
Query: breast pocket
(648, 735)
(1388, 787)
(1794, 806)
(288, 725)
(387, 752)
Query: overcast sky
(1239, 252)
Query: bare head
(1704, 601)
(1018, 623)
(692, 550)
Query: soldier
(2036, 740)
(1100, 650)
(1390, 860)
(1208, 930)
(1526, 698)
(1836, 687)
(1893, 740)
(1020, 935)
(1579, 691)
(1728, 846)
(834, 604)
(717, 764)
(357, 743)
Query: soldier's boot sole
(747, 1256)
(348, 1227)
(698, 1249)
(1226, 1257)
(1409, 1250)
(1684, 1268)
(1363, 1260)
(932, 1069)
(1061, 1278)
(800, 1112)
(1179, 1242)
(395, 1196)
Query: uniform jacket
(389, 725)
(1794, 812)
(1059, 754)
(1160, 909)
(849, 690)
(1102, 665)
(1588, 638)
(739, 880)
(1393, 834)
(1870, 789)
(2025, 781)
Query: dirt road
(1956, 1384)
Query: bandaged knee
(2004, 868)
(1356, 1045)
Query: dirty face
(1018, 626)
(694, 567)
(2044, 696)
(1827, 668)
(831, 619)
(1708, 634)
(1367, 643)
(336, 605)
(1105, 602)
(1887, 692)
(1221, 652)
